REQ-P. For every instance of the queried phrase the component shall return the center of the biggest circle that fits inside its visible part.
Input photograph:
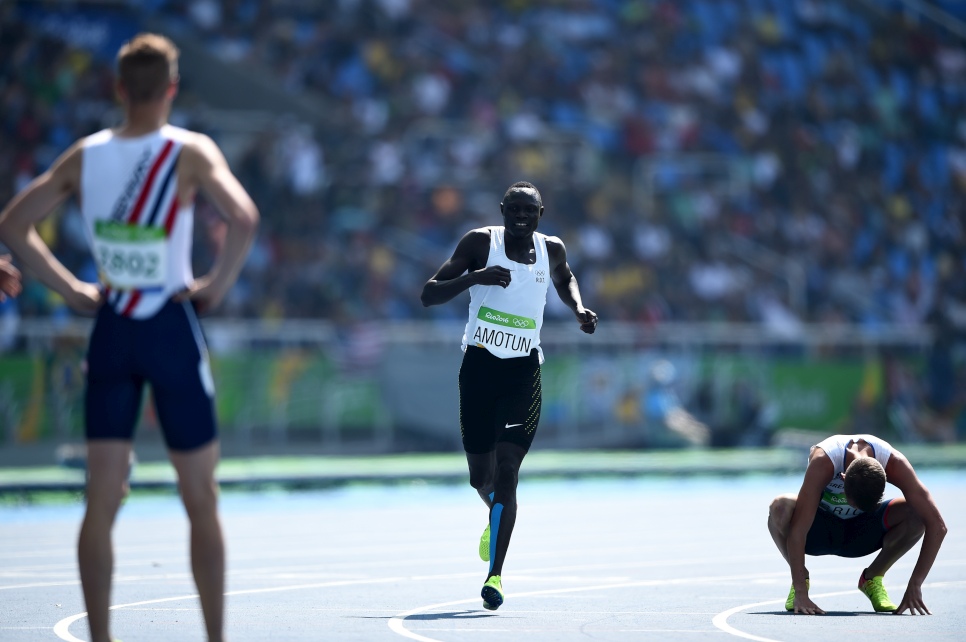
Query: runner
(507, 271)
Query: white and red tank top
(507, 321)
(833, 497)
(139, 232)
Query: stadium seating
(692, 154)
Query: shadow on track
(827, 614)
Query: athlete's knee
(902, 517)
(106, 500)
(200, 499)
(481, 479)
(507, 476)
(781, 509)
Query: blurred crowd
(773, 161)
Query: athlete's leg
(482, 474)
(107, 473)
(199, 491)
(477, 419)
(477, 427)
(503, 512)
(779, 518)
(904, 530)
(183, 394)
(112, 402)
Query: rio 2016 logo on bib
(505, 319)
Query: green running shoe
(492, 593)
(485, 544)
(790, 602)
(875, 591)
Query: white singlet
(833, 497)
(139, 232)
(507, 321)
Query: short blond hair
(147, 64)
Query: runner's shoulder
(198, 151)
(817, 452)
(553, 241)
(556, 249)
(194, 142)
(479, 232)
(66, 170)
(476, 238)
(473, 247)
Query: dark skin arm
(463, 270)
(565, 283)
(466, 268)
(817, 475)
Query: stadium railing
(381, 386)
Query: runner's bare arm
(565, 283)
(18, 230)
(464, 269)
(900, 474)
(817, 475)
(205, 167)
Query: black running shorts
(166, 351)
(499, 400)
(855, 537)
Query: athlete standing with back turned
(136, 185)
(506, 269)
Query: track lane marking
(61, 629)
(721, 619)
(397, 623)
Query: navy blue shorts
(855, 537)
(500, 399)
(166, 351)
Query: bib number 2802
(130, 257)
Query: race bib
(835, 503)
(504, 334)
(130, 257)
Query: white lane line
(397, 623)
(176, 577)
(40, 585)
(23, 628)
(721, 619)
(61, 629)
(547, 630)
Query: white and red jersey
(139, 232)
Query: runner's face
(521, 212)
